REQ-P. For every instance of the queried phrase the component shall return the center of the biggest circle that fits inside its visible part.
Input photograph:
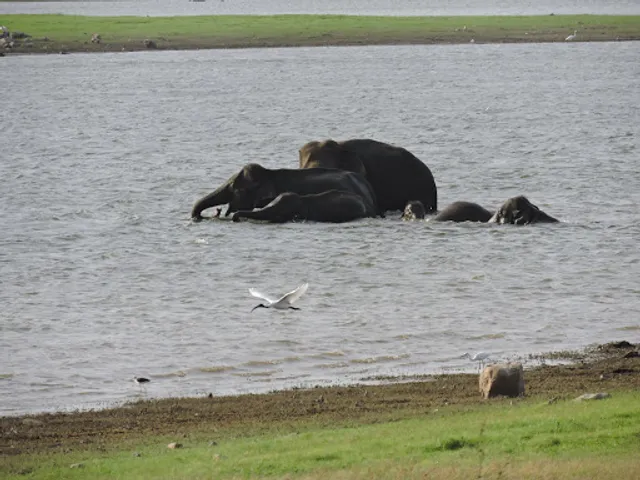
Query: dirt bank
(611, 367)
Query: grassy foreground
(65, 33)
(438, 428)
(523, 439)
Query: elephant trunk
(220, 196)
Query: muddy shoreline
(49, 46)
(605, 368)
(43, 47)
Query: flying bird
(282, 303)
(572, 36)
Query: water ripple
(105, 277)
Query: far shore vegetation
(52, 33)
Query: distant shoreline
(69, 34)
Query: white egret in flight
(282, 303)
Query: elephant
(520, 211)
(396, 175)
(254, 186)
(517, 211)
(463, 212)
(331, 206)
(413, 211)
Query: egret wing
(295, 294)
(261, 295)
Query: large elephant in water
(255, 186)
(330, 206)
(396, 175)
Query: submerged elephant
(330, 206)
(413, 211)
(520, 211)
(516, 210)
(396, 175)
(463, 212)
(255, 186)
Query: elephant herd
(344, 181)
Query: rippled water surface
(104, 277)
(347, 7)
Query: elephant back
(462, 211)
(330, 154)
(396, 175)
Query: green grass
(272, 30)
(520, 439)
(67, 27)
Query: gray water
(103, 276)
(346, 7)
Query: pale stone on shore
(505, 379)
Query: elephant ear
(351, 161)
(260, 184)
(250, 177)
(306, 153)
(342, 158)
(327, 154)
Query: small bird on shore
(141, 380)
(282, 303)
(479, 357)
(572, 36)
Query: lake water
(103, 276)
(350, 7)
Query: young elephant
(520, 211)
(413, 211)
(331, 206)
(516, 211)
(463, 212)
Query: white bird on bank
(572, 36)
(141, 381)
(479, 357)
(282, 303)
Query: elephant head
(330, 154)
(251, 187)
(413, 211)
(520, 211)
